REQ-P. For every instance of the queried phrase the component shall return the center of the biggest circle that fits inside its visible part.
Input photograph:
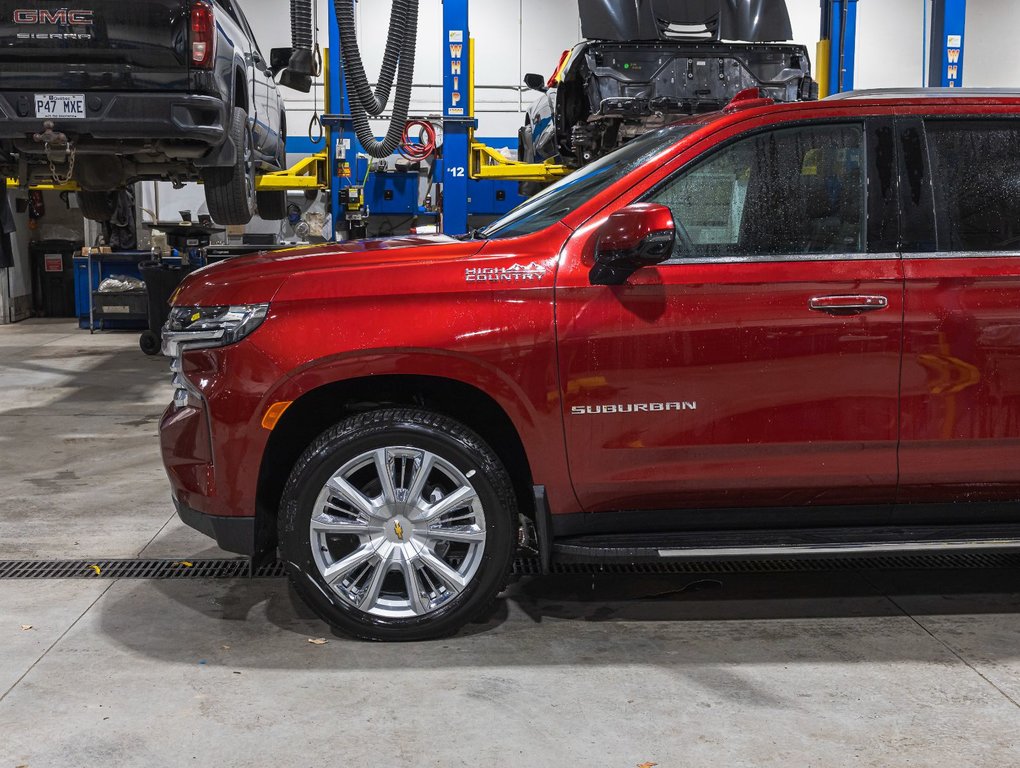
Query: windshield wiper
(474, 234)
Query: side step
(806, 543)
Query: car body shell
(519, 320)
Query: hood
(255, 279)
(751, 21)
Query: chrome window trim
(781, 258)
(964, 254)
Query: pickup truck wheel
(398, 524)
(230, 192)
(97, 206)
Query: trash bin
(53, 277)
(161, 280)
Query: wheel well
(318, 410)
(240, 91)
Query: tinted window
(976, 174)
(553, 203)
(789, 191)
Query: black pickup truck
(110, 92)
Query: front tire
(230, 191)
(398, 524)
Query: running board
(806, 543)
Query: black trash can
(161, 280)
(53, 277)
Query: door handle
(842, 306)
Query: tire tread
(388, 418)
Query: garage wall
(991, 55)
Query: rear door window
(976, 176)
(798, 190)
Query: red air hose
(426, 140)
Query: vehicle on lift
(775, 330)
(646, 65)
(117, 92)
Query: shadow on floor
(657, 620)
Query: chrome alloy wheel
(397, 532)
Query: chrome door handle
(847, 305)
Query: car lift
(835, 57)
(945, 67)
(308, 173)
(462, 158)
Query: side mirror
(535, 82)
(636, 236)
(279, 58)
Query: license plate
(65, 106)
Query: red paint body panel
(961, 380)
(792, 407)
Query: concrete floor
(863, 668)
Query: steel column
(458, 120)
(841, 18)
(948, 23)
(342, 143)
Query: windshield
(553, 203)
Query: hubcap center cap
(398, 530)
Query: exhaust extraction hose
(398, 60)
(305, 62)
(302, 36)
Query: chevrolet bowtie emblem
(399, 530)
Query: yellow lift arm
(488, 163)
(484, 162)
(310, 173)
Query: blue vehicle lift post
(837, 47)
(451, 168)
(948, 24)
(458, 122)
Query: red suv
(779, 329)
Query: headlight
(204, 327)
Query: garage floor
(849, 667)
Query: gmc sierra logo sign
(64, 17)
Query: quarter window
(790, 191)
(976, 174)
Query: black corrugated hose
(302, 35)
(398, 58)
(304, 58)
(357, 81)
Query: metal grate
(236, 568)
(136, 569)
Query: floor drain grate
(235, 568)
(136, 569)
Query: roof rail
(925, 93)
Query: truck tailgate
(104, 44)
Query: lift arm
(309, 173)
(488, 163)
